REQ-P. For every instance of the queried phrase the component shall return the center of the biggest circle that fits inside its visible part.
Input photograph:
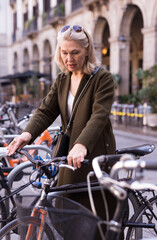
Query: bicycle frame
(127, 162)
(35, 213)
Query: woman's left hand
(77, 155)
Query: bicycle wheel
(146, 218)
(13, 230)
(3, 213)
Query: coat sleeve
(45, 115)
(99, 122)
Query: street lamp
(104, 50)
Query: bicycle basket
(67, 219)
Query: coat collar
(66, 87)
(81, 86)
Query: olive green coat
(91, 125)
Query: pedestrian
(91, 130)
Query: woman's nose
(69, 57)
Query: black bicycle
(143, 223)
(49, 191)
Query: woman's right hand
(19, 142)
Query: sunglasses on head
(75, 28)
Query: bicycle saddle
(138, 150)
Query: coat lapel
(83, 82)
(65, 90)
(64, 95)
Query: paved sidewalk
(140, 130)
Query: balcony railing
(31, 28)
(55, 15)
(76, 4)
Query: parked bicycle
(14, 183)
(45, 138)
(49, 192)
(143, 224)
(10, 123)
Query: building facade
(124, 33)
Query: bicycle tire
(11, 229)
(16, 171)
(3, 213)
(148, 215)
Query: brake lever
(67, 166)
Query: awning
(5, 82)
(6, 76)
(25, 75)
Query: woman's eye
(75, 53)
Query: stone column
(114, 55)
(119, 63)
(149, 47)
(30, 9)
(114, 60)
(40, 18)
(19, 30)
(125, 68)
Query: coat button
(107, 145)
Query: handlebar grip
(150, 165)
(85, 162)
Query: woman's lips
(71, 65)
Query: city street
(127, 139)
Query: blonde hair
(85, 40)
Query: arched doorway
(106, 47)
(47, 57)
(101, 42)
(35, 61)
(131, 49)
(15, 61)
(26, 61)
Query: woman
(90, 131)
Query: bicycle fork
(40, 211)
(35, 213)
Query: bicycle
(8, 114)
(64, 189)
(8, 185)
(138, 227)
(45, 137)
(77, 208)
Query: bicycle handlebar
(60, 161)
(26, 117)
(126, 162)
(104, 179)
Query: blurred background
(125, 41)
